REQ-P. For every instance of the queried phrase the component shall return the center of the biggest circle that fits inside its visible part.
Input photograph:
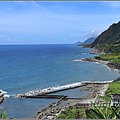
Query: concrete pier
(60, 88)
(52, 89)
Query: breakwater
(59, 88)
(93, 89)
(47, 96)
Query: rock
(114, 65)
(118, 79)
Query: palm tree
(104, 112)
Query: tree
(103, 112)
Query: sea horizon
(32, 67)
(39, 44)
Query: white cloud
(37, 21)
(93, 33)
(36, 4)
(6, 39)
(112, 4)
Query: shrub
(119, 57)
(97, 57)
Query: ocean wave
(14, 95)
(4, 94)
(79, 60)
(84, 53)
(96, 62)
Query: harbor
(93, 90)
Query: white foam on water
(58, 88)
(96, 62)
(77, 60)
(4, 94)
(84, 53)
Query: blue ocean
(31, 67)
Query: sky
(57, 22)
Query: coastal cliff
(107, 44)
(109, 40)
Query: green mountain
(89, 40)
(109, 40)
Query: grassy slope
(112, 52)
(75, 113)
(111, 57)
(114, 88)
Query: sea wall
(60, 88)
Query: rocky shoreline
(54, 109)
(111, 65)
(92, 89)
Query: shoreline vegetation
(53, 110)
(96, 93)
(107, 45)
(111, 65)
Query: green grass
(105, 98)
(113, 88)
(110, 57)
(72, 112)
(113, 48)
(112, 52)
(103, 112)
